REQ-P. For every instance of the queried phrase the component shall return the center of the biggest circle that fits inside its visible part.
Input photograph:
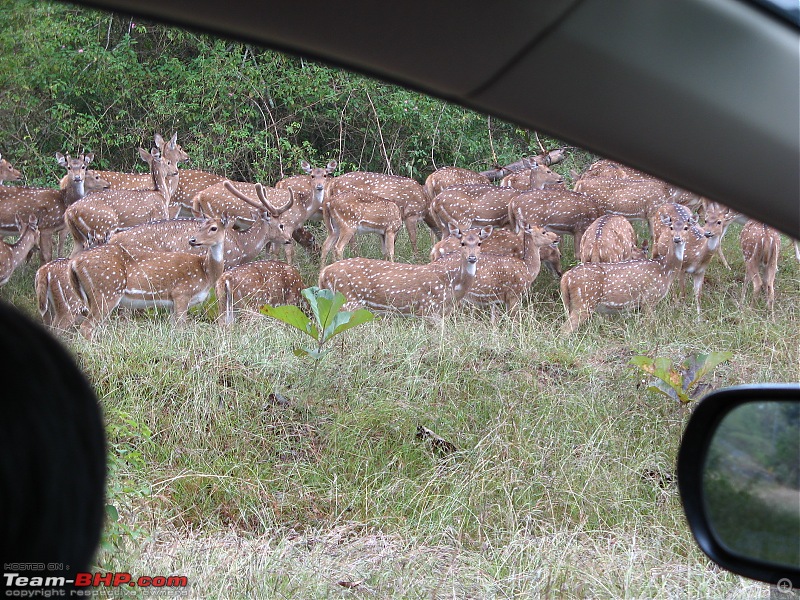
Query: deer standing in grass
(408, 194)
(243, 243)
(503, 279)
(610, 238)
(13, 255)
(349, 213)
(430, 291)
(57, 301)
(254, 284)
(611, 287)
(47, 204)
(170, 150)
(93, 219)
(108, 276)
(761, 247)
(7, 172)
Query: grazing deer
(108, 276)
(610, 287)
(559, 210)
(430, 290)
(58, 302)
(255, 284)
(349, 213)
(701, 244)
(242, 244)
(7, 172)
(409, 195)
(93, 219)
(47, 204)
(169, 150)
(446, 177)
(761, 246)
(610, 238)
(504, 279)
(13, 255)
(533, 176)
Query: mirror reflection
(751, 482)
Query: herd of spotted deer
(169, 237)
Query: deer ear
(87, 158)
(666, 220)
(159, 140)
(454, 230)
(62, 160)
(486, 232)
(332, 166)
(305, 165)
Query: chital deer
(608, 169)
(701, 243)
(446, 177)
(170, 150)
(470, 205)
(242, 244)
(610, 238)
(559, 210)
(533, 176)
(108, 276)
(13, 255)
(408, 194)
(349, 213)
(255, 284)
(58, 302)
(93, 219)
(7, 172)
(502, 242)
(292, 214)
(714, 211)
(430, 290)
(47, 204)
(504, 279)
(610, 287)
(761, 247)
(315, 184)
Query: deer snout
(193, 241)
(472, 259)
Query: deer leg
(345, 237)
(326, 247)
(411, 226)
(769, 283)
(180, 310)
(288, 250)
(388, 240)
(697, 280)
(722, 256)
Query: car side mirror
(739, 481)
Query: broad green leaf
(329, 310)
(291, 315)
(112, 513)
(357, 317)
(702, 364)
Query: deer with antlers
(409, 195)
(503, 279)
(243, 243)
(610, 238)
(254, 284)
(108, 276)
(47, 204)
(611, 287)
(8, 172)
(761, 247)
(92, 220)
(430, 291)
(349, 213)
(13, 255)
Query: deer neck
(463, 279)
(214, 262)
(531, 256)
(252, 241)
(22, 247)
(671, 263)
(72, 190)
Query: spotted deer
(57, 301)
(471, 205)
(13, 255)
(243, 243)
(446, 177)
(254, 284)
(504, 242)
(611, 287)
(315, 184)
(170, 150)
(430, 291)
(503, 279)
(559, 210)
(7, 172)
(108, 276)
(349, 213)
(47, 204)
(408, 194)
(761, 247)
(93, 219)
(530, 176)
(610, 238)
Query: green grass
(546, 495)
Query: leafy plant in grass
(328, 319)
(680, 382)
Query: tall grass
(324, 490)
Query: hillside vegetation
(254, 474)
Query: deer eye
(280, 226)
(213, 229)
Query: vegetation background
(236, 464)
